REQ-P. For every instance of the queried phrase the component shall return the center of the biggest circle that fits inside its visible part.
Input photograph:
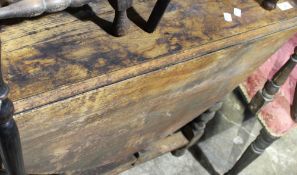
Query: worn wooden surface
(61, 55)
(105, 125)
(162, 146)
(86, 99)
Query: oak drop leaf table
(87, 100)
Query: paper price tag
(228, 17)
(284, 6)
(237, 12)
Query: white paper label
(237, 12)
(284, 5)
(228, 17)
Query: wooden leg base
(256, 148)
(195, 130)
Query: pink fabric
(275, 115)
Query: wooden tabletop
(74, 109)
(60, 55)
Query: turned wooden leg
(121, 22)
(269, 4)
(195, 130)
(156, 15)
(272, 86)
(294, 106)
(256, 148)
(11, 151)
(10, 145)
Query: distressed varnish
(86, 99)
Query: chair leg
(195, 130)
(121, 22)
(272, 86)
(269, 4)
(10, 144)
(255, 149)
(156, 15)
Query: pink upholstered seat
(275, 116)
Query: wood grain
(86, 99)
(64, 54)
(162, 146)
(105, 125)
